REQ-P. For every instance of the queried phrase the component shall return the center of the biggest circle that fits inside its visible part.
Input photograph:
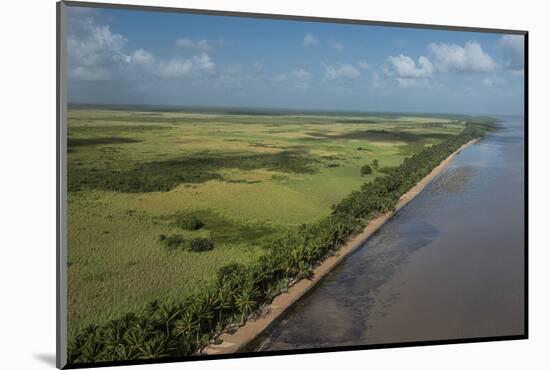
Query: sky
(157, 58)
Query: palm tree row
(181, 329)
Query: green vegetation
(189, 222)
(172, 241)
(196, 244)
(200, 244)
(262, 198)
(366, 170)
(196, 168)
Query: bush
(199, 245)
(190, 222)
(172, 241)
(177, 241)
(375, 164)
(386, 170)
(366, 170)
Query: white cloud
(297, 75)
(363, 65)
(407, 72)
(310, 40)
(300, 75)
(257, 70)
(456, 58)
(174, 68)
(282, 77)
(179, 68)
(204, 63)
(89, 74)
(96, 53)
(512, 48)
(335, 44)
(92, 50)
(298, 78)
(341, 71)
(493, 82)
(142, 57)
(403, 66)
(200, 45)
(376, 81)
(232, 74)
(411, 82)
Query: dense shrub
(189, 222)
(176, 241)
(164, 175)
(366, 170)
(199, 245)
(172, 241)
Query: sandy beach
(237, 341)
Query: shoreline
(232, 343)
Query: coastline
(238, 340)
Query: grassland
(134, 175)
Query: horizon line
(251, 109)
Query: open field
(134, 176)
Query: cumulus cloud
(178, 68)
(403, 66)
(142, 57)
(298, 78)
(512, 48)
(493, 82)
(377, 81)
(335, 44)
(89, 74)
(407, 72)
(174, 68)
(92, 50)
(300, 75)
(411, 82)
(456, 58)
(200, 45)
(310, 40)
(363, 65)
(97, 53)
(341, 72)
(204, 63)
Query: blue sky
(138, 57)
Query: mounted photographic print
(235, 184)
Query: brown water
(448, 266)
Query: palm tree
(245, 303)
(157, 347)
(304, 270)
(167, 313)
(210, 300)
(136, 336)
(121, 353)
(186, 325)
(116, 329)
(152, 307)
(91, 350)
(224, 302)
(201, 313)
